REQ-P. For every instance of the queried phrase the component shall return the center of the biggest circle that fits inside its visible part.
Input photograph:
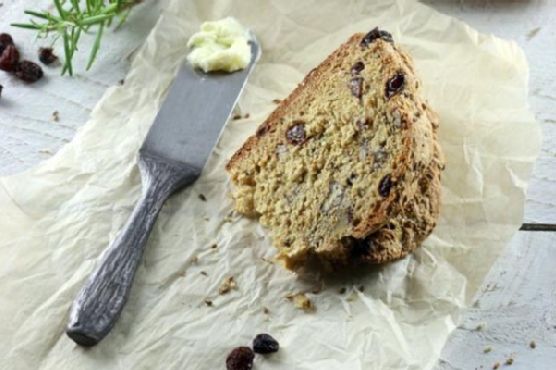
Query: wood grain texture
(28, 132)
(514, 307)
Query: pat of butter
(220, 46)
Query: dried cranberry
(9, 58)
(356, 85)
(241, 358)
(374, 34)
(47, 56)
(28, 71)
(264, 343)
(384, 186)
(296, 133)
(6, 39)
(395, 84)
(357, 68)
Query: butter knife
(172, 157)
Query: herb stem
(75, 17)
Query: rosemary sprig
(75, 17)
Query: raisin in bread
(347, 168)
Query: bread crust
(418, 162)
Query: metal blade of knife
(192, 116)
(172, 156)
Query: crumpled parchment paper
(56, 219)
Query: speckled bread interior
(347, 168)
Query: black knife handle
(98, 305)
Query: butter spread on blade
(220, 46)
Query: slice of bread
(347, 168)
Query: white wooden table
(516, 303)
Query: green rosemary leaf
(68, 52)
(26, 25)
(96, 46)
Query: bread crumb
(533, 344)
(247, 115)
(56, 116)
(496, 366)
(301, 301)
(318, 289)
(487, 349)
(509, 361)
(227, 285)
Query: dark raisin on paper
(296, 133)
(384, 186)
(241, 358)
(395, 85)
(47, 56)
(9, 58)
(375, 34)
(357, 68)
(356, 85)
(28, 71)
(264, 343)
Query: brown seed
(276, 101)
(375, 34)
(357, 68)
(395, 84)
(47, 56)
(208, 302)
(509, 361)
(356, 85)
(384, 186)
(28, 71)
(262, 129)
(296, 133)
(533, 344)
(9, 58)
(496, 366)
(202, 197)
(241, 358)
